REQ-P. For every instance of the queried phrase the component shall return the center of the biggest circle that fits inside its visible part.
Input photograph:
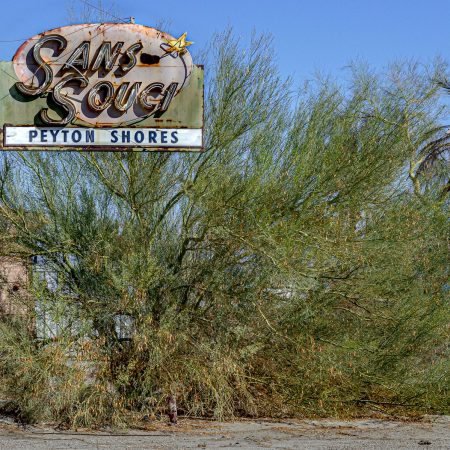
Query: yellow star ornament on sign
(178, 45)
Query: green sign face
(102, 86)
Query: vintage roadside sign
(114, 87)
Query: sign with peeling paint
(104, 86)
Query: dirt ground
(430, 433)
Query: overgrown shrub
(299, 266)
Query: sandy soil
(431, 433)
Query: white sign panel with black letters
(105, 137)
